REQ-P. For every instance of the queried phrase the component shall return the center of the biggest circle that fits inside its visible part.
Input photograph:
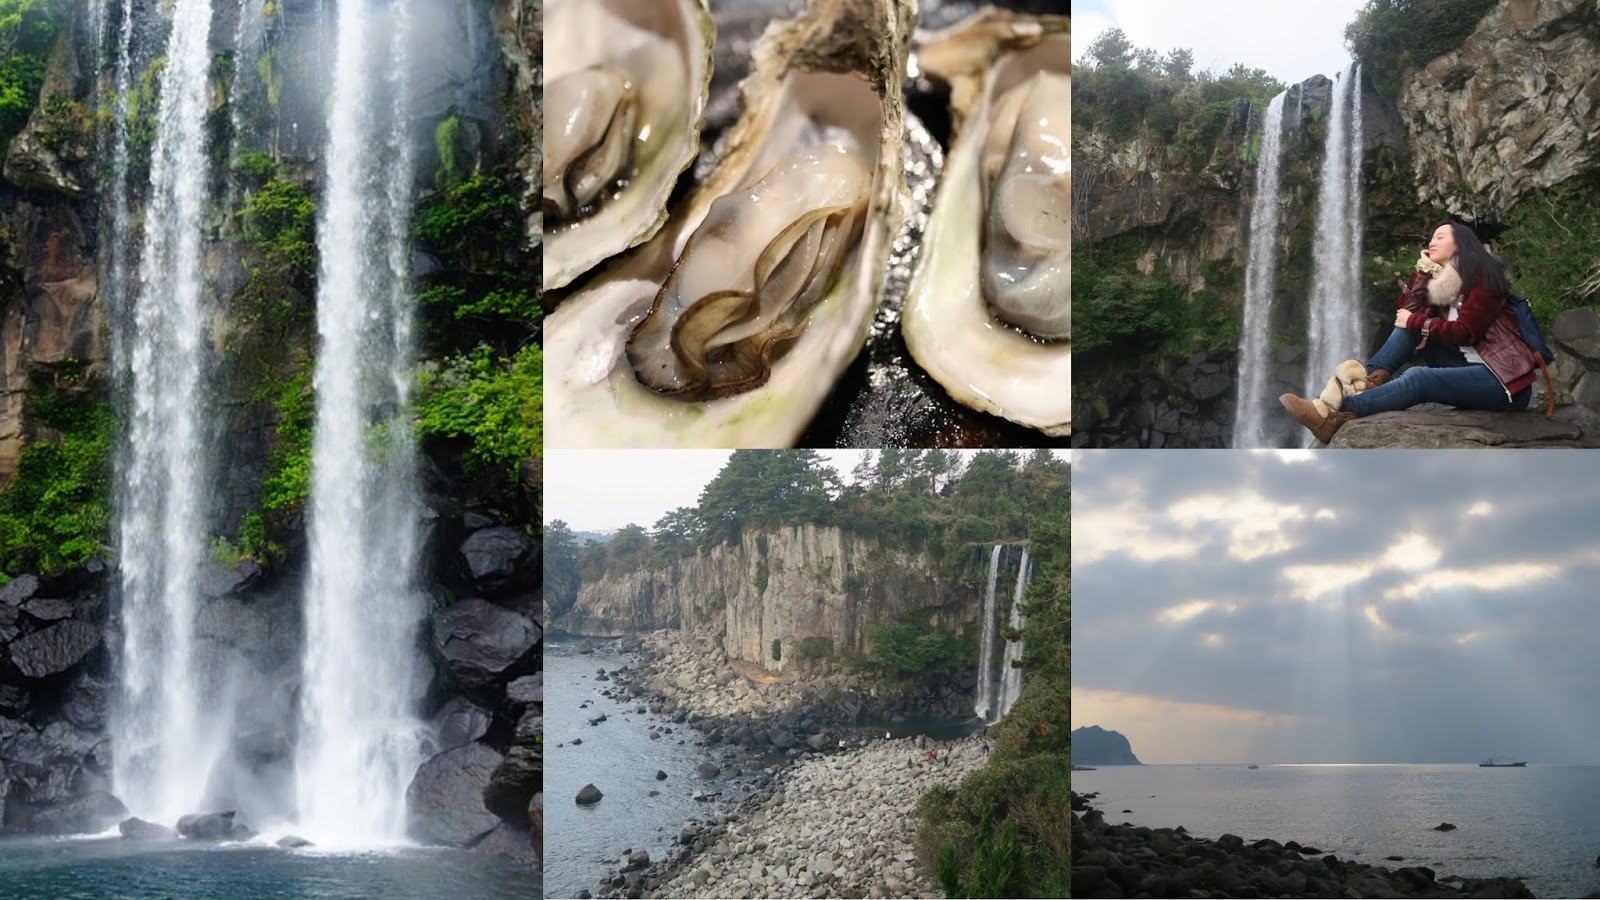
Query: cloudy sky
(1370, 606)
(602, 490)
(1292, 41)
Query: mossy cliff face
(782, 586)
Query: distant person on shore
(841, 743)
(1452, 318)
(931, 757)
(985, 748)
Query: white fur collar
(1443, 287)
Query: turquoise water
(1541, 823)
(80, 868)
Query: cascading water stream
(1010, 674)
(167, 744)
(1260, 280)
(359, 741)
(986, 649)
(1335, 315)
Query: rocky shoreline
(791, 830)
(1136, 861)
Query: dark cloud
(1487, 626)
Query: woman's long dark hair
(1476, 265)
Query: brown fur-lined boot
(1321, 414)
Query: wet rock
(444, 801)
(1444, 826)
(508, 842)
(217, 826)
(522, 692)
(460, 722)
(589, 795)
(19, 590)
(87, 813)
(660, 775)
(293, 842)
(707, 770)
(500, 558)
(53, 650)
(86, 706)
(483, 645)
(221, 581)
(517, 778)
(137, 829)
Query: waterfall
(1335, 314)
(986, 649)
(359, 740)
(1010, 674)
(166, 744)
(1260, 279)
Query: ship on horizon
(1502, 762)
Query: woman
(1451, 317)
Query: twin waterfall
(359, 745)
(1333, 314)
(358, 742)
(996, 695)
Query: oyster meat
(988, 311)
(625, 93)
(730, 326)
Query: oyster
(625, 92)
(988, 310)
(729, 327)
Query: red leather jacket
(1482, 323)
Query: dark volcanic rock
(220, 581)
(508, 842)
(217, 826)
(18, 589)
(482, 644)
(52, 650)
(526, 690)
(459, 723)
(86, 706)
(1444, 826)
(514, 782)
(136, 829)
(588, 795)
(707, 770)
(1433, 428)
(84, 814)
(445, 800)
(500, 558)
(292, 842)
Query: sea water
(1540, 823)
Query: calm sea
(81, 868)
(1541, 823)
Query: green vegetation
(67, 128)
(814, 646)
(1126, 92)
(444, 142)
(492, 403)
(777, 650)
(1119, 308)
(1394, 37)
(57, 511)
(1002, 832)
(287, 484)
(912, 648)
(761, 578)
(1552, 247)
(28, 31)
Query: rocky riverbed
(1135, 861)
(838, 825)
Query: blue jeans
(1445, 376)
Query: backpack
(1522, 313)
(1527, 328)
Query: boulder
(589, 795)
(660, 775)
(221, 581)
(781, 737)
(459, 723)
(444, 801)
(1444, 826)
(510, 843)
(517, 778)
(536, 817)
(46, 609)
(483, 645)
(522, 692)
(500, 558)
(136, 829)
(293, 842)
(86, 813)
(18, 590)
(53, 650)
(638, 859)
(707, 770)
(87, 703)
(217, 826)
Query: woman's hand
(1402, 318)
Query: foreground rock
(839, 825)
(1441, 427)
(588, 795)
(444, 802)
(483, 645)
(137, 829)
(87, 813)
(217, 826)
(1128, 860)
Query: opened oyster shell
(625, 92)
(729, 327)
(988, 310)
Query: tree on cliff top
(1393, 37)
(764, 488)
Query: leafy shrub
(777, 650)
(28, 30)
(1552, 247)
(815, 646)
(492, 403)
(1393, 37)
(57, 511)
